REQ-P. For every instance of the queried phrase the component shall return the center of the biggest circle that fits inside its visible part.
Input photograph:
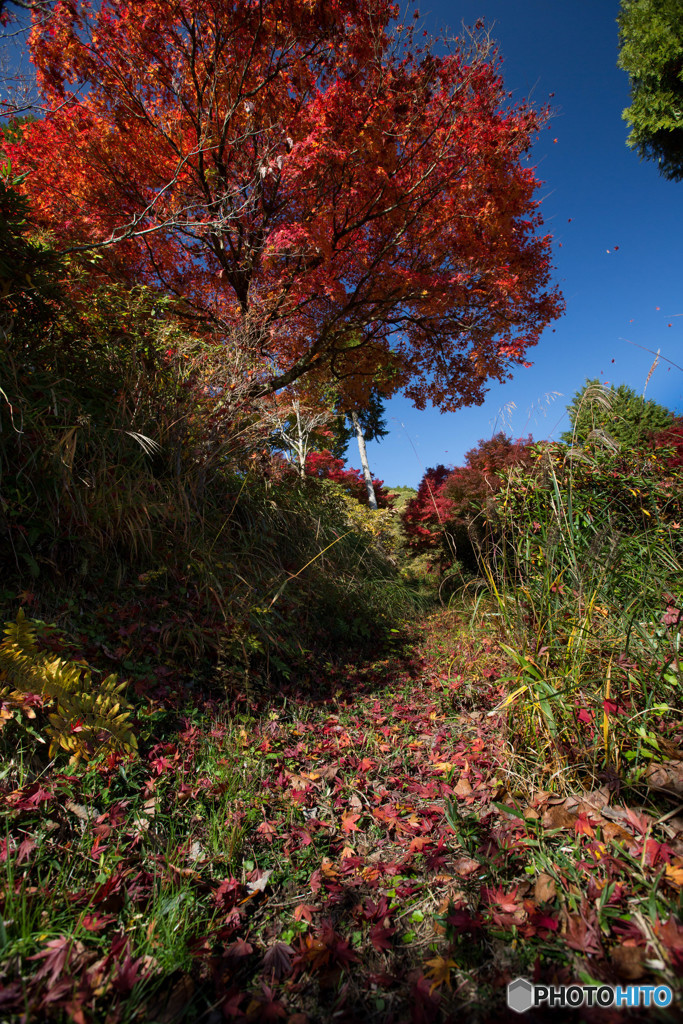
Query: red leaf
(349, 822)
(304, 912)
(380, 937)
(278, 959)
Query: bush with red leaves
(448, 516)
(671, 440)
(324, 466)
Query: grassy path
(369, 856)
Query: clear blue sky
(597, 195)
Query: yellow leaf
(439, 971)
(674, 875)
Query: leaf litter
(378, 859)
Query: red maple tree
(450, 501)
(359, 206)
(324, 466)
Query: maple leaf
(440, 971)
(227, 893)
(304, 912)
(674, 875)
(380, 937)
(239, 948)
(348, 823)
(582, 826)
(259, 884)
(33, 797)
(461, 921)
(267, 830)
(640, 822)
(56, 957)
(265, 1006)
(278, 959)
(96, 922)
(583, 931)
(670, 934)
(127, 974)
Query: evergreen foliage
(613, 416)
(372, 421)
(651, 38)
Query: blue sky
(597, 195)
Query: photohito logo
(523, 996)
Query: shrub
(451, 514)
(325, 466)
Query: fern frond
(86, 715)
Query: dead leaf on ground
(629, 962)
(557, 816)
(465, 866)
(582, 931)
(597, 798)
(544, 888)
(667, 776)
(615, 833)
(260, 884)
(462, 788)
(439, 971)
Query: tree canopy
(651, 40)
(360, 208)
(613, 413)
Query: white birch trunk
(302, 446)
(372, 499)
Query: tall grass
(585, 570)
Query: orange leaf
(439, 971)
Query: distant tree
(299, 431)
(651, 39)
(372, 421)
(324, 466)
(614, 414)
(449, 513)
(366, 424)
(426, 514)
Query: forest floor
(364, 849)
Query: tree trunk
(372, 499)
(301, 450)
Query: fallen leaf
(260, 884)
(667, 776)
(558, 817)
(674, 875)
(629, 962)
(439, 971)
(544, 888)
(278, 959)
(465, 866)
(380, 937)
(304, 912)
